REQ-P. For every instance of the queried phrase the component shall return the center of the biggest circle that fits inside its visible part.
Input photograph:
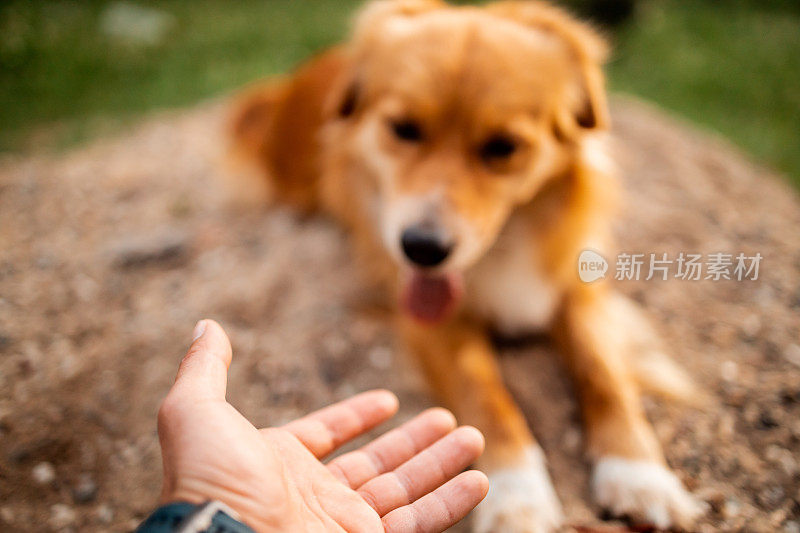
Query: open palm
(407, 480)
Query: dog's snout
(424, 246)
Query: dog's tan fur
(321, 138)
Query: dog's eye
(498, 148)
(407, 130)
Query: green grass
(732, 66)
(61, 78)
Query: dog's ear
(345, 98)
(251, 116)
(274, 128)
(586, 107)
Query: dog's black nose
(424, 246)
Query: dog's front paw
(520, 500)
(645, 492)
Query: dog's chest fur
(508, 286)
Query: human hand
(406, 480)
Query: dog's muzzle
(425, 246)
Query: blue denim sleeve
(178, 516)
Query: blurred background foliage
(72, 70)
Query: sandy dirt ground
(110, 253)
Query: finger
(392, 449)
(203, 373)
(421, 474)
(441, 508)
(325, 430)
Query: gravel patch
(110, 253)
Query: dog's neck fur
(517, 288)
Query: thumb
(203, 373)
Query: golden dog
(463, 147)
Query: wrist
(185, 517)
(249, 512)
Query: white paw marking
(644, 491)
(520, 500)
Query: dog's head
(456, 116)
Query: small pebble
(727, 425)
(164, 246)
(792, 354)
(789, 396)
(777, 517)
(729, 370)
(783, 457)
(105, 514)
(734, 396)
(767, 420)
(713, 496)
(7, 514)
(380, 357)
(44, 473)
(731, 509)
(751, 325)
(751, 414)
(771, 496)
(85, 489)
(61, 515)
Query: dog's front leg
(630, 474)
(460, 365)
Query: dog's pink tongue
(432, 297)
